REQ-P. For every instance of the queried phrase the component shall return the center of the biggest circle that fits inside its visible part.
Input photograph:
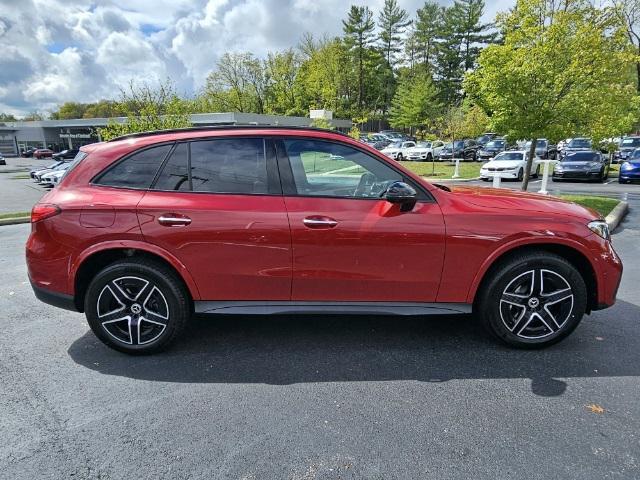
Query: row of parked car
(41, 153)
(52, 174)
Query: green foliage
(358, 38)
(354, 132)
(7, 117)
(557, 73)
(148, 108)
(415, 103)
(322, 123)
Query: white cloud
(83, 50)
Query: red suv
(146, 230)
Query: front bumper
(503, 174)
(575, 175)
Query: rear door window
(229, 165)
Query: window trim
(273, 175)
(96, 178)
(288, 182)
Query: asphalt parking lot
(319, 397)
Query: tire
(399, 157)
(112, 306)
(520, 174)
(537, 174)
(429, 158)
(515, 310)
(622, 181)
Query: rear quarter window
(137, 170)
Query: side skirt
(329, 308)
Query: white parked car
(510, 164)
(54, 176)
(398, 150)
(425, 151)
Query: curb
(14, 221)
(450, 180)
(616, 215)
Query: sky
(55, 51)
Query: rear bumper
(57, 299)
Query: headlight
(595, 165)
(600, 228)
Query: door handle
(318, 222)
(172, 220)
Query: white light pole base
(496, 180)
(456, 171)
(545, 175)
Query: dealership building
(57, 135)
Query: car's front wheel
(137, 306)
(533, 301)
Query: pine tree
(392, 21)
(415, 103)
(473, 34)
(359, 35)
(428, 24)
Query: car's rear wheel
(137, 306)
(533, 301)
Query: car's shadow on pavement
(303, 349)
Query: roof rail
(234, 126)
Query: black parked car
(486, 138)
(28, 153)
(585, 165)
(463, 149)
(577, 145)
(627, 146)
(544, 149)
(492, 148)
(66, 154)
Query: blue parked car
(630, 169)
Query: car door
(349, 244)
(217, 206)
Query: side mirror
(403, 194)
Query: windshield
(539, 144)
(630, 142)
(580, 143)
(581, 157)
(636, 154)
(424, 144)
(395, 145)
(496, 144)
(509, 156)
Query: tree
(148, 108)
(415, 103)
(473, 34)
(392, 22)
(449, 70)
(238, 84)
(358, 36)
(557, 74)
(33, 116)
(69, 110)
(7, 117)
(628, 12)
(104, 109)
(325, 80)
(281, 71)
(427, 25)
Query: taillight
(40, 211)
